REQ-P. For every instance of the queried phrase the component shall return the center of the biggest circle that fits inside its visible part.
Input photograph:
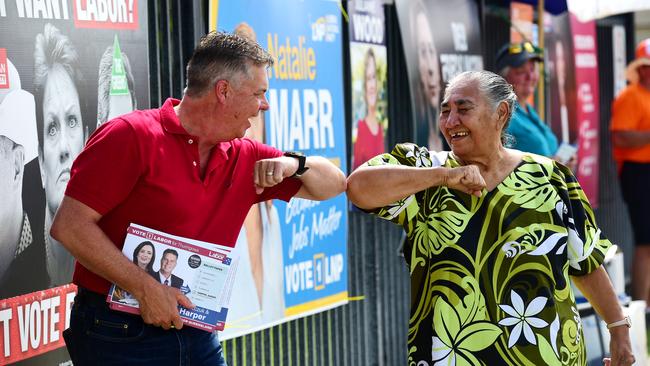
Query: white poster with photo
(65, 68)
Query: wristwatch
(625, 321)
(302, 159)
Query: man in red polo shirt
(183, 169)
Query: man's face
(524, 79)
(249, 98)
(427, 61)
(63, 134)
(644, 75)
(168, 263)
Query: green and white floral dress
(490, 275)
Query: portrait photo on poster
(260, 275)
(369, 101)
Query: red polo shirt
(143, 168)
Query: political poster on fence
(293, 256)
(369, 68)
(441, 39)
(65, 68)
(574, 93)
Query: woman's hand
(620, 348)
(466, 179)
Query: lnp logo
(325, 29)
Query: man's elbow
(337, 186)
(57, 230)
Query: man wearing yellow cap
(630, 128)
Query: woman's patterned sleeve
(406, 154)
(586, 244)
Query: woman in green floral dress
(494, 235)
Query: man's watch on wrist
(302, 159)
(625, 321)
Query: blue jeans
(101, 336)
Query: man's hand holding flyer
(204, 272)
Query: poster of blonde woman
(368, 68)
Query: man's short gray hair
(222, 56)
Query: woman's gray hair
(495, 89)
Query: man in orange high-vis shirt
(630, 128)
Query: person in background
(18, 147)
(61, 133)
(370, 133)
(112, 103)
(183, 169)
(630, 131)
(495, 235)
(518, 64)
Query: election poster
(441, 39)
(293, 256)
(587, 115)
(574, 93)
(65, 68)
(369, 68)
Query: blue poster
(301, 246)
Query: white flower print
(394, 209)
(523, 318)
(421, 155)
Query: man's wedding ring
(269, 173)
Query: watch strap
(302, 160)
(625, 321)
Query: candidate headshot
(115, 85)
(18, 146)
(60, 130)
(167, 265)
(144, 256)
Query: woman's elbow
(355, 191)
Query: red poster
(587, 113)
(33, 324)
